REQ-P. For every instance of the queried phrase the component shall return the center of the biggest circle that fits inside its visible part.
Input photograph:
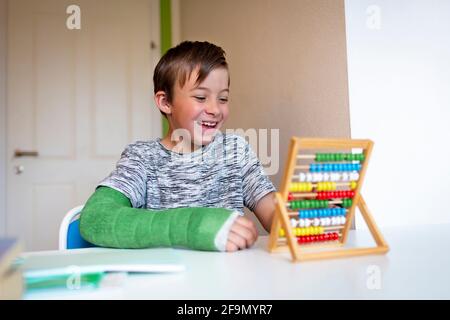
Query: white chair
(69, 231)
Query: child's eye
(223, 100)
(199, 98)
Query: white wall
(399, 91)
(3, 26)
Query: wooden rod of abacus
(308, 167)
(295, 214)
(306, 156)
(306, 195)
(339, 227)
(338, 184)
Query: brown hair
(179, 62)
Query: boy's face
(201, 109)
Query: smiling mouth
(208, 124)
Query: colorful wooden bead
(293, 222)
(354, 175)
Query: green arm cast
(108, 220)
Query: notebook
(95, 260)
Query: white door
(76, 97)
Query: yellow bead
(281, 232)
(353, 185)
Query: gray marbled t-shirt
(225, 173)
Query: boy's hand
(243, 234)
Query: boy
(188, 189)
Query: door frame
(3, 84)
(155, 56)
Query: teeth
(209, 124)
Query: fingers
(243, 234)
(247, 223)
(237, 241)
(231, 247)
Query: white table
(417, 267)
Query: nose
(213, 108)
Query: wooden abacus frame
(281, 218)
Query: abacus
(316, 203)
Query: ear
(162, 103)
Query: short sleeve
(255, 182)
(130, 176)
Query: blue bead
(343, 211)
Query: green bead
(297, 204)
(318, 157)
(347, 203)
(361, 157)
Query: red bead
(290, 196)
(326, 237)
(335, 236)
(307, 238)
(321, 237)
